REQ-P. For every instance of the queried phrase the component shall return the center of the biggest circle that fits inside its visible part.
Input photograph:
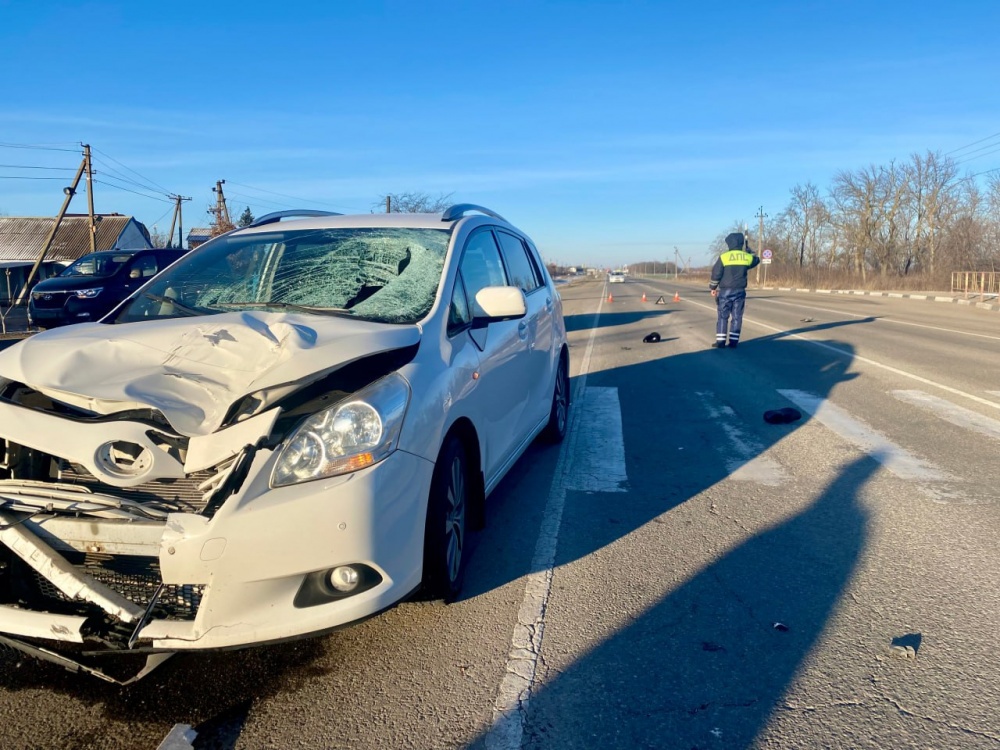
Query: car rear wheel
(447, 523)
(555, 430)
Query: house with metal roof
(23, 237)
(198, 236)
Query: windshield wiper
(286, 306)
(181, 307)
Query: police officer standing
(729, 287)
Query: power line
(134, 192)
(24, 166)
(25, 177)
(272, 192)
(37, 147)
(325, 204)
(994, 146)
(128, 182)
(260, 200)
(962, 148)
(985, 171)
(109, 170)
(151, 182)
(111, 173)
(157, 221)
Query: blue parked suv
(94, 284)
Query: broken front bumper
(86, 568)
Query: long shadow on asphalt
(586, 322)
(706, 665)
(706, 656)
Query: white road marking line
(859, 358)
(511, 703)
(949, 412)
(896, 459)
(880, 319)
(598, 463)
(994, 393)
(744, 458)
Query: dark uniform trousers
(730, 322)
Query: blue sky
(611, 132)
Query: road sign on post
(765, 260)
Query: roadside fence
(981, 283)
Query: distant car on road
(616, 277)
(94, 284)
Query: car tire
(555, 430)
(445, 534)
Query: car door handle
(548, 304)
(522, 330)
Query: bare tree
(158, 238)
(413, 203)
(933, 191)
(918, 219)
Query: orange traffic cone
(610, 298)
(677, 297)
(643, 296)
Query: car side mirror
(500, 303)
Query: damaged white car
(290, 429)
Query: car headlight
(356, 433)
(87, 293)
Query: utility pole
(388, 204)
(221, 212)
(70, 192)
(677, 257)
(177, 221)
(90, 197)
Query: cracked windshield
(382, 275)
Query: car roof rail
(294, 212)
(461, 209)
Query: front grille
(189, 494)
(136, 579)
(49, 300)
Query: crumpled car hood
(193, 369)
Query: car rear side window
(523, 273)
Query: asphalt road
(678, 574)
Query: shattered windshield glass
(388, 275)
(100, 265)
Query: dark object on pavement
(782, 416)
(780, 627)
(651, 338)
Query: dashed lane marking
(950, 412)
(598, 463)
(894, 458)
(744, 458)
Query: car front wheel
(447, 522)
